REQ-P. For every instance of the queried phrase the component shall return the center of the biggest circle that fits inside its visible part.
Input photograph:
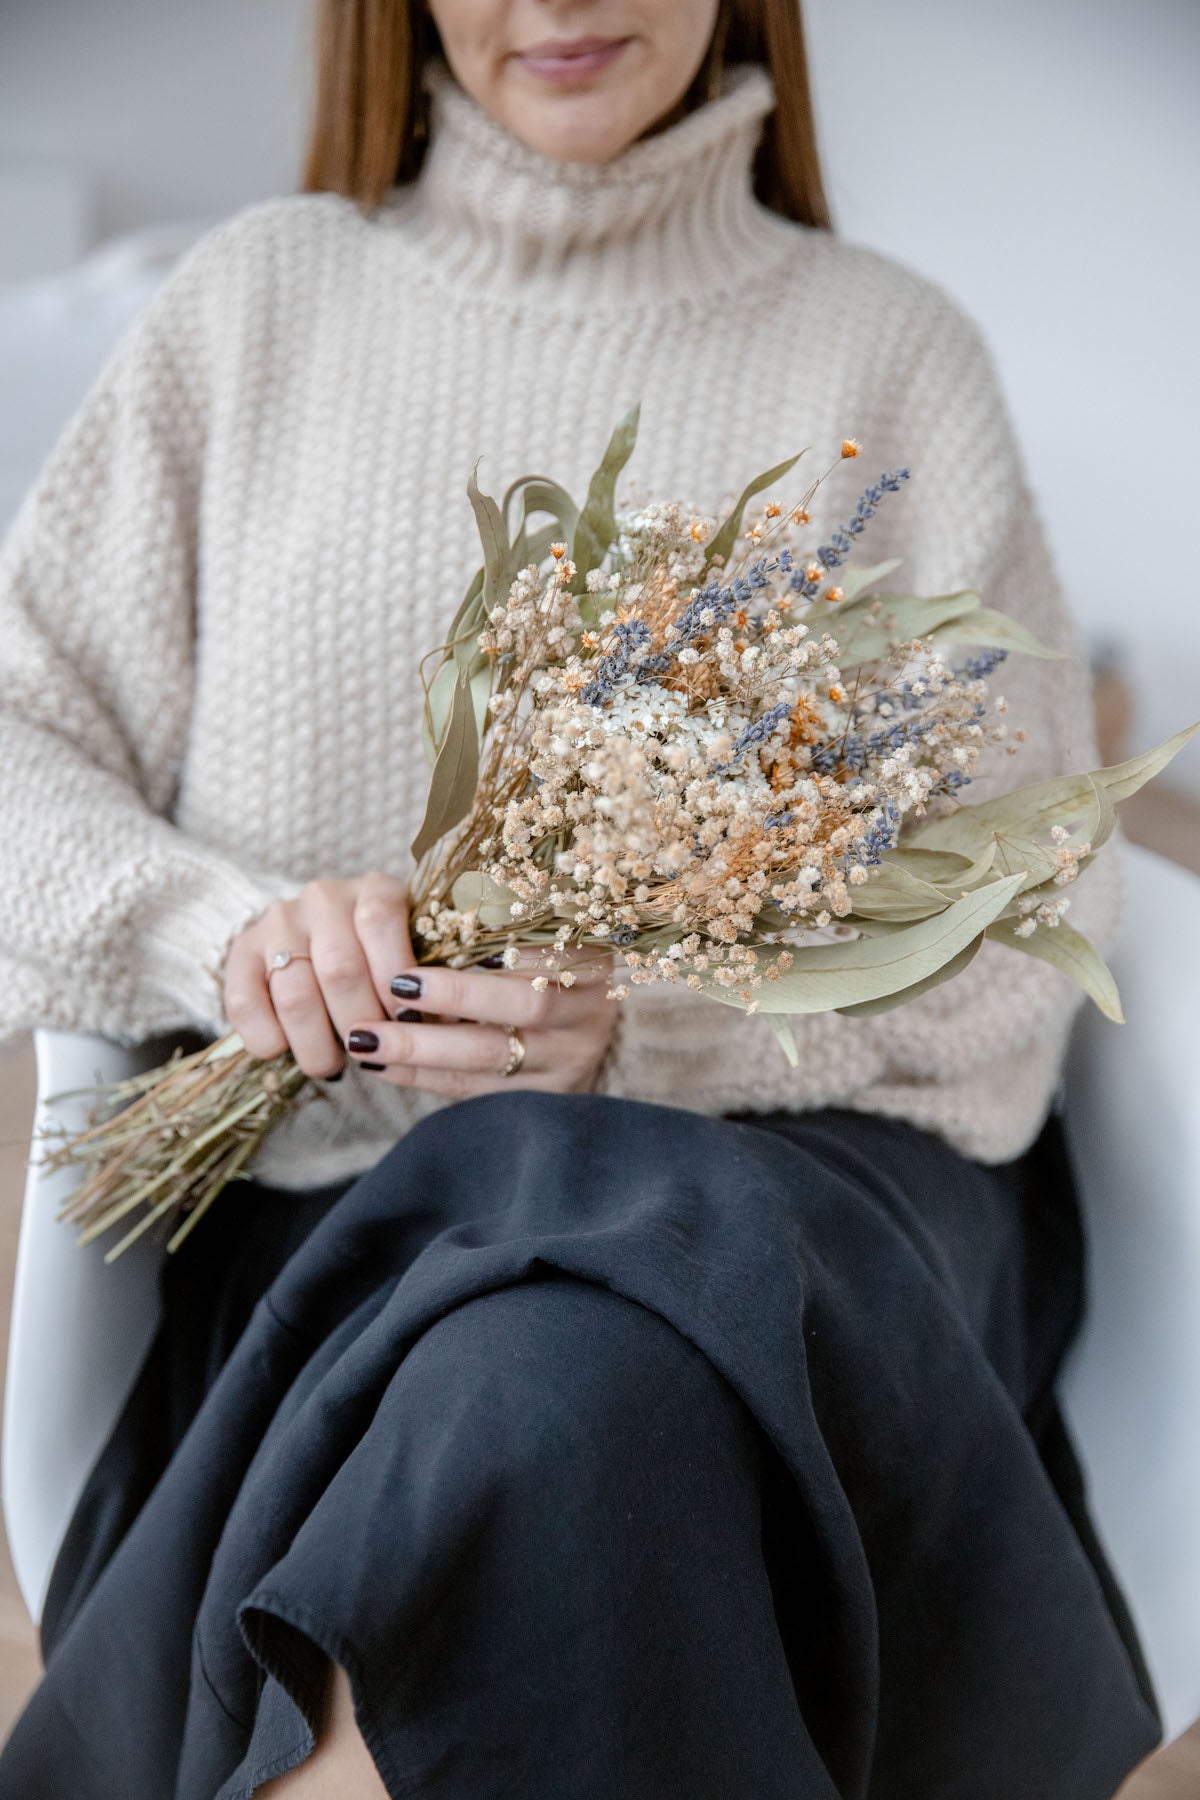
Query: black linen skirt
(616, 1453)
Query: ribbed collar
(673, 215)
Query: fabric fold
(884, 1311)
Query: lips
(570, 59)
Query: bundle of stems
(170, 1140)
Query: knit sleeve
(976, 525)
(108, 913)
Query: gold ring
(516, 1051)
(282, 958)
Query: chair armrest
(80, 1328)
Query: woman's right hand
(356, 933)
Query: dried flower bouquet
(736, 763)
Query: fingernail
(362, 1040)
(374, 1067)
(407, 987)
(493, 962)
(336, 1077)
(410, 1016)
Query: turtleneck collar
(674, 215)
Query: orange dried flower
(806, 725)
(850, 446)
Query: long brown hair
(370, 128)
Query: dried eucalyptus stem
(168, 1141)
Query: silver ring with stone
(516, 1051)
(282, 958)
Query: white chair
(79, 1329)
(1130, 1390)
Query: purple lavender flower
(754, 734)
(978, 668)
(842, 542)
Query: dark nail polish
(362, 1040)
(410, 1016)
(336, 1077)
(374, 1067)
(493, 962)
(407, 987)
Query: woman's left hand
(449, 1037)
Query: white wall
(171, 107)
(1042, 159)
(1039, 157)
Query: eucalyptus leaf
(455, 773)
(1062, 800)
(468, 620)
(467, 890)
(902, 617)
(1040, 861)
(854, 581)
(867, 968)
(908, 879)
(495, 905)
(722, 542)
(938, 866)
(661, 939)
(876, 927)
(535, 549)
(1066, 949)
(440, 697)
(994, 630)
(781, 1025)
(894, 892)
(868, 1009)
(975, 871)
(1124, 779)
(494, 539)
(539, 494)
(1042, 865)
(461, 651)
(596, 526)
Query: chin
(582, 130)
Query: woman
(661, 1420)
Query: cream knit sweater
(213, 599)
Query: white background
(1040, 158)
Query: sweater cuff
(187, 927)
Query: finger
(492, 997)
(479, 1049)
(381, 925)
(339, 960)
(583, 960)
(463, 1084)
(301, 1011)
(248, 1003)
